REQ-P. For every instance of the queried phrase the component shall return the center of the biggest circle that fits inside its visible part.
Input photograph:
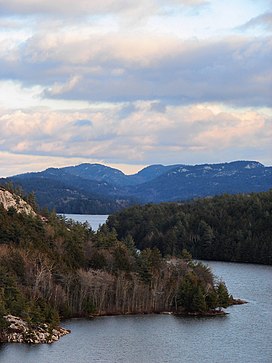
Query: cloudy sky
(133, 83)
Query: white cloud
(83, 7)
(114, 67)
(263, 21)
(134, 82)
(143, 135)
(58, 89)
(14, 163)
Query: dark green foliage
(3, 312)
(212, 299)
(121, 258)
(43, 312)
(97, 260)
(198, 302)
(222, 295)
(149, 262)
(186, 255)
(20, 229)
(191, 295)
(194, 295)
(227, 228)
(88, 307)
(12, 298)
(15, 265)
(52, 268)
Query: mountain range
(98, 189)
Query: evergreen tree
(222, 295)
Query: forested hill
(227, 228)
(51, 268)
(98, 189)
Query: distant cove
(94, 220)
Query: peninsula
(52, 268)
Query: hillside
(97, 189)
(72, 195)
(10, 201)
(235, 228)
(51, 268)
(187, 182)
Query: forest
(234, 228)
(52, 268)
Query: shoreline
(19, 331)
(209, 313)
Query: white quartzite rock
(9, 200)
(19, 331)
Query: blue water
(243, 336)
(94, 220)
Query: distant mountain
(98, 189)
(97, 172)
(73, 196)
(70, 193)
(110, 175)
(151, 172)
(186, 181)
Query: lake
(94, 220)
(243, 336)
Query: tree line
(226, 228)
(53, 268)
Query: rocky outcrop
(19, 331)
(9, 200)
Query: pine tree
(223, 296)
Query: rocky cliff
(9, 200)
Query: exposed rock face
(19, 331)
(9, 200)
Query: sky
(134, 83)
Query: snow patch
(252, 166)
(183, 170)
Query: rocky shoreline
(19, 331)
